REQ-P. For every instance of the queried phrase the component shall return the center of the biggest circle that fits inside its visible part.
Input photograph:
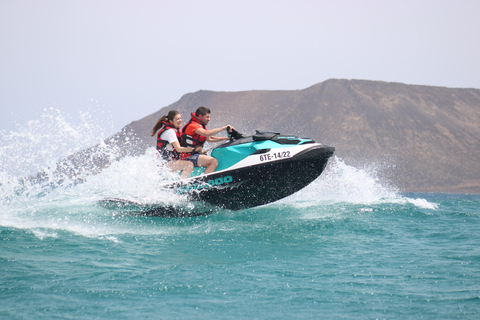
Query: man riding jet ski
(195, 134)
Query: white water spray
(69, 206)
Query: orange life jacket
(194, 140)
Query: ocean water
(349, 246)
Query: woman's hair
(169, 117)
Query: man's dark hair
(201, 111)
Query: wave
(58, 202)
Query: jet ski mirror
(233, 134)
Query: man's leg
(209, 162)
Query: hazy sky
(132, 58)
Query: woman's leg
(206, 161)
(186, 167)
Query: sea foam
(52, 204)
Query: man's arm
(216, 139)
(209, 133)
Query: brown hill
(421, 138)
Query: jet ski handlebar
(233, 134)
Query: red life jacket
(194, 140)
(162, 144)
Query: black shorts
(194, 159)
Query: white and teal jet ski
(256, 170)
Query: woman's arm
(178, 148)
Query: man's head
(203, 113)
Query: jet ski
(256, 170)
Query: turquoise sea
(349, 246)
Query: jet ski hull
(264, 181)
